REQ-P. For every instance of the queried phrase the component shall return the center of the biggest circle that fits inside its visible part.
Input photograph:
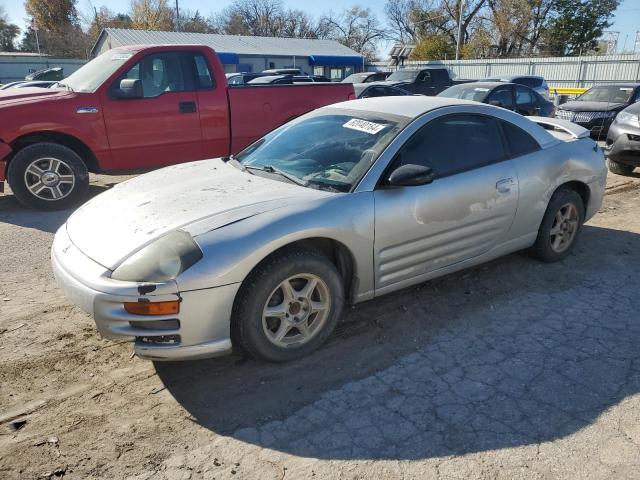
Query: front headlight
(160, 261)
(628, 118)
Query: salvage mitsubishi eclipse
(340, 205)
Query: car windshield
(330, 151)
(91, 75)
(608, 94)
(404, 75)
(466, 91)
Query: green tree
(105, 18)
(8, 32)
(193, 22)
(577, 25)
(435, 46)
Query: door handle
(187, 107)
(504, 185)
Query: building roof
(22, 54)
(236, 44)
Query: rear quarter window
(518, 141)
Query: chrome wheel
(564, 227)
(296, 310)
(49, 179)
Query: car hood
(577, 106)
(114, 225)
(11, 96)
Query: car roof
(409, 106)
(511, 77)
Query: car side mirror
(130, 88)
(411, 175)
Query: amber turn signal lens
(152, 308)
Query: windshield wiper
(271, 169)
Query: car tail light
(152, 308)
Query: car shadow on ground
(13, 212)
(511, 353)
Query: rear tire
(560, 226)
(288, 306)
(619, 168)
(48, 176)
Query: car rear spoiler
(576, 131)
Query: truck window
(159, 72)
(204, 79)
(424, 77)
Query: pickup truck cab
(137, 108)
(427, 81)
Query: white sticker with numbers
(364, 126)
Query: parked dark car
(366, 77)
(55, 74)
(596, 108)
(511, 96)
(539, 84)
(623, 141)
(427, 81)
(365, 90)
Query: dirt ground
(515, 369)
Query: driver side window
(437, 145)
(159, 73)
(501, 95)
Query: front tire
(48, 176)
(560, 226)
(289, 306)
(619, 168)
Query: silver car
(344, 204)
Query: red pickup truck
(137, 108)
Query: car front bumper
(201, 329)
(623, 144)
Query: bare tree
(357, 28)
(151, 15)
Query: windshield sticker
(120, 56)
(364, 126)
(478, 89)
(626, 89)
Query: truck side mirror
(130, 88)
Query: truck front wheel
(48, 176)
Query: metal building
(241, 53)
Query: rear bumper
(623, 144)
(200, 330)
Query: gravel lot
(515, 369)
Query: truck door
(163, 126)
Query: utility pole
(459, 29)
(177, 17)
(34, 25)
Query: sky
(626, 21)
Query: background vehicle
(596, 108)
(55, 74)
(343, 204)
(366, 77)
(25, 84)
(287, 79)
(137, 108)
(539, 84)
(241, 78)
(511, 96)
(623, 141)
(428, 81)
(365, 90)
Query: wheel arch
(69, 141)
(335, 251)
(580, 188)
